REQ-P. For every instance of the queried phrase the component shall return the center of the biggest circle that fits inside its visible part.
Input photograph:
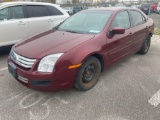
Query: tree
(75, 1)
(103, 1)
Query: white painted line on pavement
(2, 69)
(155, 99)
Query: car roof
(32, 3)
(112, 9)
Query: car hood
(50, 42)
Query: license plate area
(12, 69)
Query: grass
(157, 31)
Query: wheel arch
(150, 34)
(99, 57)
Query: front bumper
(59, 79)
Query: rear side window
(121, 20)
(54, 11)
(15, 12)
(137, 18)
(37, 11)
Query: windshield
(86, 22)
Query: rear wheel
(88, 74)
(145, 47)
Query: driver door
(120, 45)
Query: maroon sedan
(77, 51)
(153, 7)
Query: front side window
(121, 20)
(37, 11)
(86, 22)
(15, 12)
(4, 14)
(137, 18)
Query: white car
(22, 20)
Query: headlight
(47, 63)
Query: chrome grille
(22, 61)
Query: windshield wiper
(74, 31)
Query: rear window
(37, 11)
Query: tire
(145, 47)
(88, 74)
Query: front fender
(77, 56)
(83, 54)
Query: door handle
(21, 23)
(50, 20)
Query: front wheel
(145, 47)
(88, 74)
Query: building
(63, 1)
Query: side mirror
(116, 30)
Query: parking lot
(156, 19)
(129, 90)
